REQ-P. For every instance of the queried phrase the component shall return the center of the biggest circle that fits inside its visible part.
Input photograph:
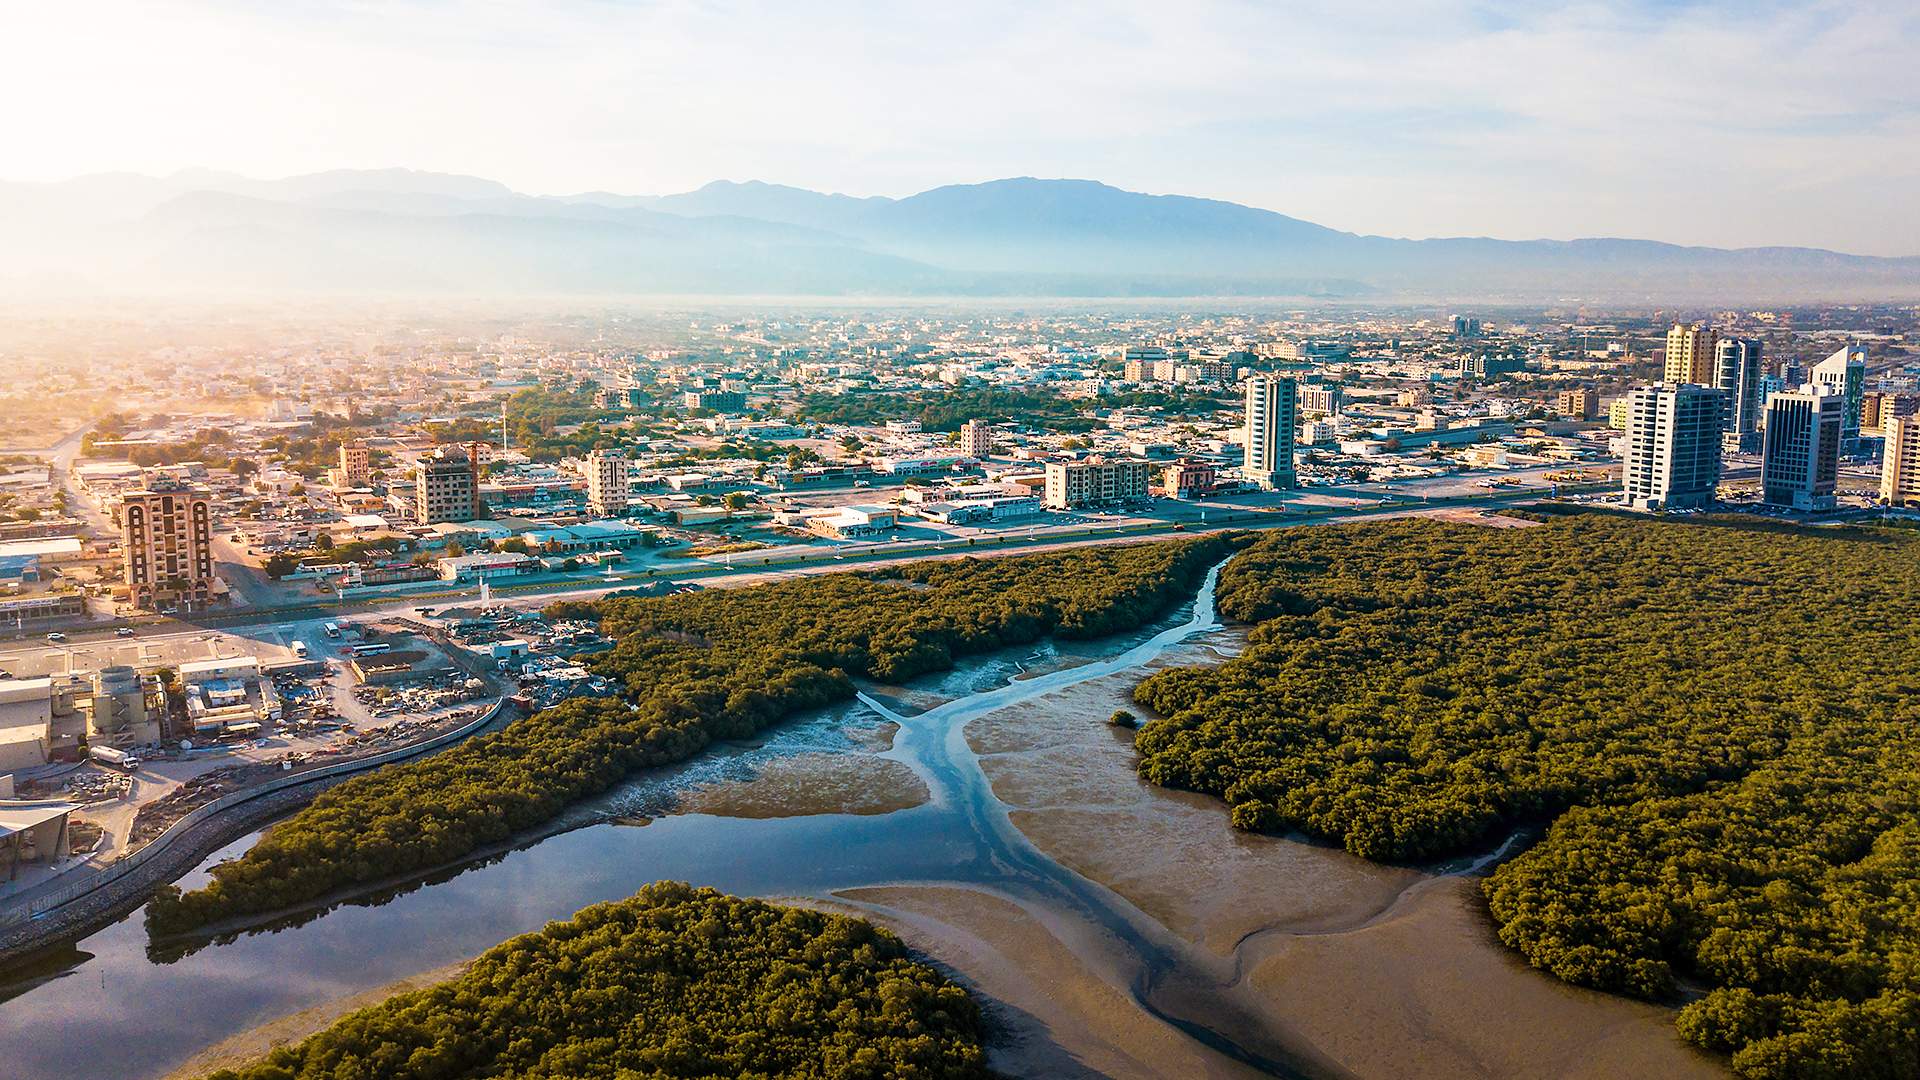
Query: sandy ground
(1367, 971)
(1463, 516)
(255, 1043)
(812, 784)
(1053, 1014)
(1389, 972)
(1070, 777)
(1428, 985)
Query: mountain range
(398, 231)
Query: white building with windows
(607, 482)
(1900, 467)
(1071, 485)
(1673, 446)
(1846, 372)
(854, 522)
(1800, 461)
(1273, 409)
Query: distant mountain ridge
(402, 231)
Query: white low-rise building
(486, 564)
(855, 522)
(973, 511)
(26, 723)
(922, 464)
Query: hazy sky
(1729, 122)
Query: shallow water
(113, 1010)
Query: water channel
(111, 1007)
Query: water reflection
(164, 1004)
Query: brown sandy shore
(807, 784)
(1054, 1008)
(1388, 972)
(1367, 971)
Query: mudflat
(1384, 971)
(817, 783)
(1054, 1011)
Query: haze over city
(701, 539)
(1716, 123)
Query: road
(276, 626)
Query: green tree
(674, 982)
(693, 667)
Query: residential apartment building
(1690, 355)
(445, 488)
(1870, 407)
(1737, 366)
(1071, 485)
(1139, 361)
(1846, 372)
(1673, 446)
(1321, 398)
(1308, 351)
(1491, 367)
(1900, 466)
(1186, 479)
(1315, 432)
(166, 545)
(1580, 404)
(480, 454)
(1271, 414)
(720, 401)
(1877, 409)
(607, 483)
(1769, 386)
(1801, 458)
(976, 439)
(355, 465)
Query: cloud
(1710, 122)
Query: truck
(110, 755)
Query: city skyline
(515, 570)
(708, 538)
(1439, 119)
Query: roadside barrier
(43, 904)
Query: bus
(370, 649)
(333, 630)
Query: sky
(1724, 122)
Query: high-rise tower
(1272, 410)
(1673, 446)
(1690, 355)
